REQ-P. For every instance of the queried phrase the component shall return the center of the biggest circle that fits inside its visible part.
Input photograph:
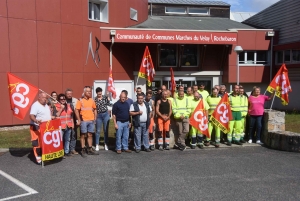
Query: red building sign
(163, 36)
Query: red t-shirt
(256, 104)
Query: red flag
(111, 85)
(173, 83)
(222, 114)
(51, 140)
(281, 84)
(147, 68)
(21, 95)
(199, 119)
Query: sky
(249, 5)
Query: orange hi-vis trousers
(35, 140)
(163, 129)
(151, 129)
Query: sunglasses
(62, 99)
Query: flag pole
(47, 94)
(272, 102)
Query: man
(194, 132)
(213, 101)
(151, 126)
(138, 90)
(181, 111)
(72, 101)
(129, 101)
(163, 111)
(159, 93)
(222, 90)
(86, 114)
(235, 124)
(189, 93)
(180, 88)
(39, 112)
(217, 87)
(195, 88)
(120, 112)
(244, 112)
(202, 91)
(140, 112)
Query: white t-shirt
(41, 112)
(143, 117)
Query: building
(59, 44)
(284, 18)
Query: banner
(51, 140)
(222, 114)
(173, 83)
(147, 68)
(281, 84)
(199, 119)
(21, 95)
(110, 85)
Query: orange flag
(110, 85)
(147, 68)
(199, 119)
(222, 114)
(281, 84)
(21, 95)
(173, 83)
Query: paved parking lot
(244, 173)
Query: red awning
(169, 36)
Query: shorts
(236, 116)
(87, 127)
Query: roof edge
(182, 30)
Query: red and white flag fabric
(147, 68)
(281, 84)
(199, 119)
(173, 83)
(110, 85)
(21, 94)
(222, 114)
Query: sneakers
(217, 144)
(74, 152)
(238, 142)
(206, 143)
(250, 141)
(167, 147)
(182, 147)
(147, 150)
(97, 148)
(242, 141)
(83, 152)
(68, 154)
(259, 142)
(201, 146)
(127, 151)
(137, 151)
(152, 148)
(229, 143)
(193, 147)
(119, 151)
(105, 147)
(92, 152)
(160, 148)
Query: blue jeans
(141, 133)
(87, 127)
(255, 120)
(102, 119)
(122, 134)
(67, 133)
(73, 139)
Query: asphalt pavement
(244, 173)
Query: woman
(256, 111)
(103, 118)
(65, 113)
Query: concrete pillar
(274, 121)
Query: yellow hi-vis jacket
(181, 107)
(195, 103)
(235, 102)
(212, 102)
(244, 105)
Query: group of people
(151, 118)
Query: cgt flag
(222, 114)
(147, 68)
(173, 83)
(21, 95)
(281, 84)
(199, 119)
(111, 86)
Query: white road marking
(18, 183)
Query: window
(254, 57)
(189, 55)
(98, 10)
(168, 55)
(287, 56)
(133, 14)
(199, 11)
(279, 57)
(296, 56)
(177, 10)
